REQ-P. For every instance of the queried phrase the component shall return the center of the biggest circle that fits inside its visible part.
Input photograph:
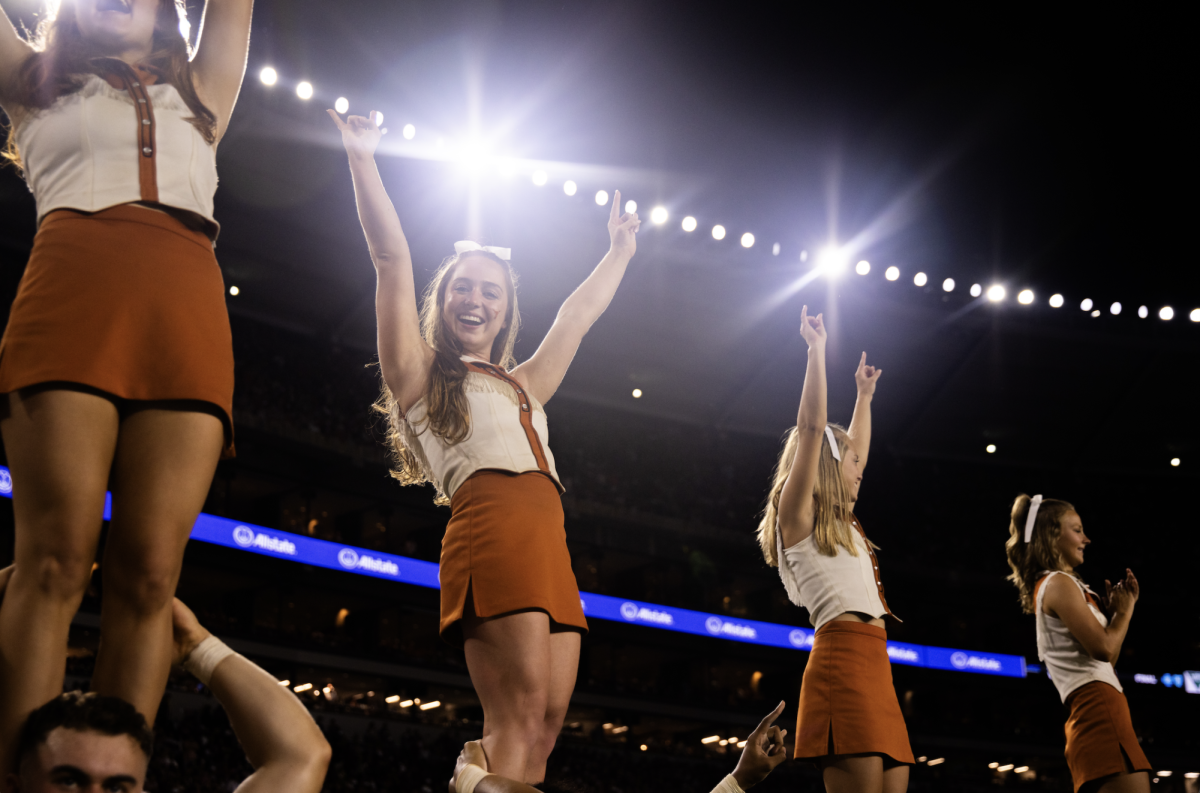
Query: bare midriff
(858, 616)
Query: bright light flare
(1194, 315)
(540, 177)
(710, 739)
(1056, 301)
(630, 206)
(1086, 305)
(936, 761)
(1143, 312)
(948, 285)
(920, 279)
(601, 198)
(991, 448)
(1006, 767)
(1025, 297)
(570, 188)
(268, 76)
(718, 232)
(1114, 309)
(976, 290)
(863, 267)
(300, 689)
(689, 223)
(996, 293)
(831, 260)
(747, 240)
(1175, 462)
(233, 290)
(304, 90)
(637, 393)
(775, 249)
(892, 273)
(1021, 769)
(393, 699)
(341, 104)
(430, 705)
(658, 215)
(1166, 312)
(506, 167)
(409, 132)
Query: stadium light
(920, 279)
(268, 76)
(1095, 312)
(1086, 305)
(991, 448)
(233, 290)
(300, 689)
(408, 703)
(285, 683)
(637, 393)
(831, 260)
(1194, 315)
(996, 293)
(304, 90)
(863, 267)
(993, 765)
(1006, 767)
(431, 705)
(601, 197)
(341, 105)
(630, 206)
(393, 699)
(892, 273)
(689, 223)
(570, 187)
(936, 761)
(775, 249)
(1056, 301)
(747, 240)
(718, 232)
(506, 167)
(948, 285)
(540, 177)
(976, 290)
(1115, 309)
(1025, 297)
(1166, 312)
(1143, 312)
(710, 739)
(658, 215)
(1021, 769)
(410, 132)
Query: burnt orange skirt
(1098, 730)
(127, 301)
(847, 702)
(506, 546)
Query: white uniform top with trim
(1067, 663)
(83, 151)
(498, 439)
(832, 585)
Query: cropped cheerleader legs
(848, 704)
(506, 546)
(1099, 730)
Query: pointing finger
(613, 215)
(765, 724)
(336, 120)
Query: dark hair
(62, 55)
(89, 712)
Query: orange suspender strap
(121, 75)
(874, 562)
(526, 408)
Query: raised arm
(796, 511)
(13, 52)
(543, 373)
(860, 425)
(280, 738)
(1063, 600)
(404, 357)
(220, 61)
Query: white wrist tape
(728, 785)
(203, 659)
(469, 777)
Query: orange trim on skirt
(1098, 730)
(127, 301)
(848, 704)
(506, 545)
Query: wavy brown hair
(831, 529)
(62, 58)
(1029, 561)
(448, 415)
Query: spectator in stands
(763, 752)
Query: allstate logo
(798, 638)
(243, 536)
(714, 624)
(348, 557)
(5, 483)
(629, 611)
(960, 660)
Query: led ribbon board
(348, 558)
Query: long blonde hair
(1028, 561)
(448, 414)
(831, 526)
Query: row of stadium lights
(330, 692)
(1005, 768)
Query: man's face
(82, 762)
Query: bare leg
(60, 445)
(854, 773)
(564, 666)
(164, 465)
(895, 779)
(509, 661)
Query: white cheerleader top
(832, 585)
(1067, 662)
(508, 432)
(119, 139)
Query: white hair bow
(466, 246)
(833, 443)
(1029, 521)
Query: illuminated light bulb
(1115, 309)
(1166, 312)
(991, 448)
(285, 683)
(570, 187)
(644, 747)
(747, 240)
(948, 285)
(431, 705)
(409, 132)
(936, 761)
(408, 703)
(993, 765)
(1143, 312)
(1006, 767)
(710, 739)
(341, 104)
(892, 273)
(775, 249)
(601, 197)
(300, 689)
(658, 215)
(268, 76)
(722, 742)
(1025, 297)
(718, 232)
(637, 393)
(1021, 769)
(1056, 301)
(393, 699)
(1095, 312)
(630, 206)
(996, 293)
(1194, 315)
(1165, 773)
(920, 279)
(304, 90)
(689, 223)
(1086, 305)
(233, 290)
(976, 290)
(863, 267)
(540, 177)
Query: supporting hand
(622, 229)
(866, 377)
(763, 753)
(187, 632)
(360, 135)
(812, 328)
(472, 754)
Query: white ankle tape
(203, 659)
(469, 777)
(728, 785)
